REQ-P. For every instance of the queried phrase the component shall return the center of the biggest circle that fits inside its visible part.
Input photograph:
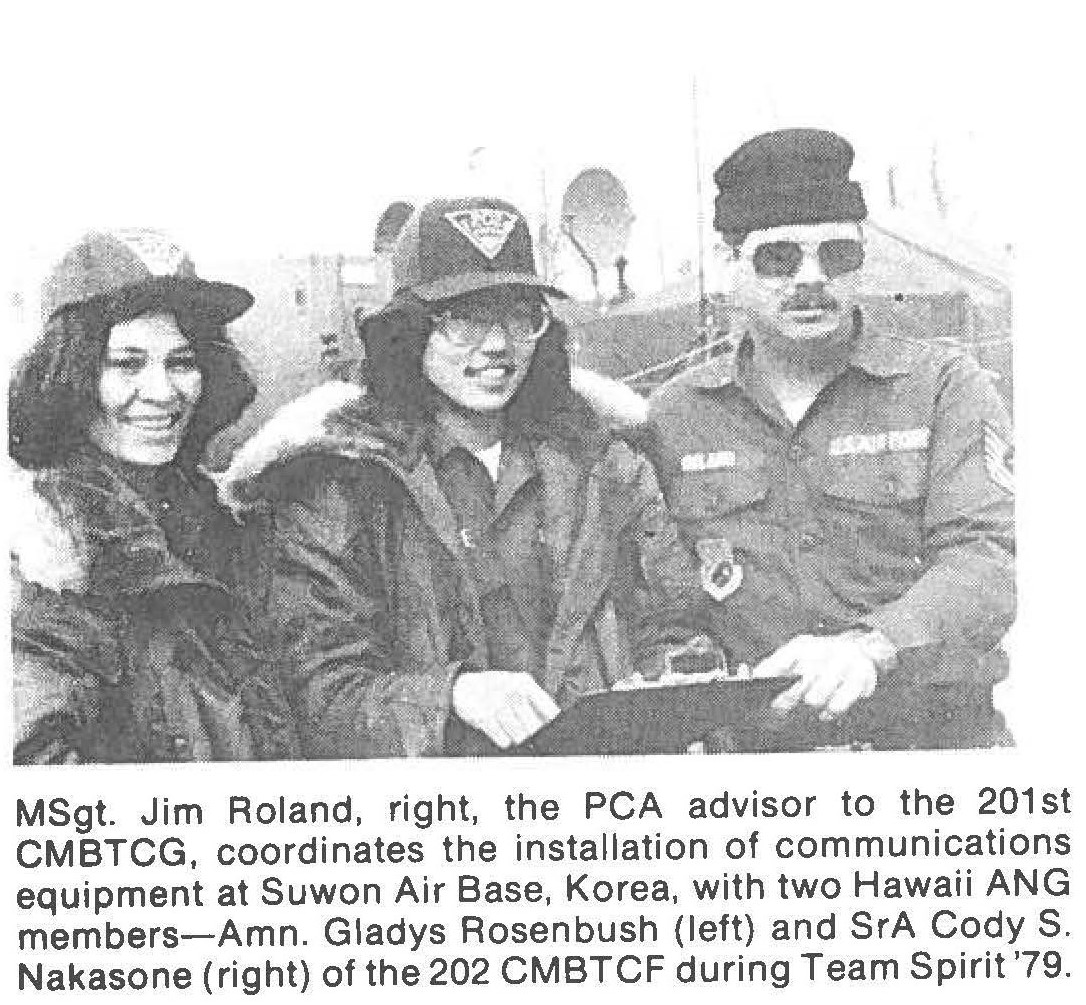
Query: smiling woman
(134, 621)
(148, 390)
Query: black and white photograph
(468, 407)
(542, 498)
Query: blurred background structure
(283, 150)
(640, 312)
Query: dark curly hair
(545, 405)
(53, 394)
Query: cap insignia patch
(488, 228)
(157, 252)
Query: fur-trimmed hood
(82, 528)
(334, 418)
(44, 549)
(337, 419)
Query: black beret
(785, 177)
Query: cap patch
(488, 228)
(157, 252)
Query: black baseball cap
(450, 247)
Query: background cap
(120, 266)
(786, 177)
(454, 246)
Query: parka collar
(128, 552)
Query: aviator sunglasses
(782, 259)
(468, 325)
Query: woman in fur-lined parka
(134, 628)
(465, 548)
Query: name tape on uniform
(892, 441)
(711, 461)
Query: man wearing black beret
(848, 492)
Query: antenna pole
(582, 251)
(703, 302)
(544, 227)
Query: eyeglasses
(468, 325)
(782, 259)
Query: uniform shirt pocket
(705, 495)
(873, 504)
(881, 480)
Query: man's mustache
(813, 299)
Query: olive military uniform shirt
(889, 504)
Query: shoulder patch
(47, 548)
(998, 459)
(721, 575)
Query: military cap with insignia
(790, 176)
(450, 247)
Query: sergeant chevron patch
(488, 228)
(998, 459)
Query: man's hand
(836, 671)
(507, 707)
(669, 678)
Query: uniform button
(180, 745)
(795, 451)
